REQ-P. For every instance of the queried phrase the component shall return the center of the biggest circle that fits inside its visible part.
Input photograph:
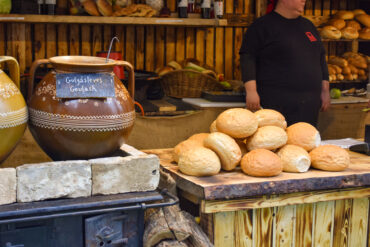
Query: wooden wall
(150, 47)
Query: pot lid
(85, 61)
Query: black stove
(114, 220)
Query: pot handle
(131, 76)
(33, 69)
(14, 69)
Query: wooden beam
(282, 200)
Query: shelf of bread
(69, 19)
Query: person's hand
(253, 101)
(325, 100)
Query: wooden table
(315, 208)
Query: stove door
(105, 230)
(33, 236)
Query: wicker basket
(187, 83)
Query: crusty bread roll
(174, 65)
(165, 70)
(332, 77)
(294, 158)
(213, 127)
(364, 19)
(237, 123)
(104, 7)
(199, 137)
(340, 77)
(344, 14)
(199, 161)
(361, 72)
(304, 135)
(358, 12)
(364, 33)
(330, 32)
(184, 146)
(341, 62)
(267, 137)
(329, 158)
(354, 70)
(261, 163)
(359, 62)
(270, 117)
(337, 23)
(337, 68)
(90, 7)
(346, 70)
(331, 70)
(354, 24)
(348, 77)
(349, 33)
(226, 148)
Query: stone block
(51, 180)
(8, 186)
(125, 174)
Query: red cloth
(270, 6)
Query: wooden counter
(316, 208)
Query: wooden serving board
(235, 184)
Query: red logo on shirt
(311, 37)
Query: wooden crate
(316, 208)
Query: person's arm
(252, 99)
(325, 96)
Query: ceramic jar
(13, 109)
(80, 128)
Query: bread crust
(304, 135)
(199, 161)
(330, 32)
(268, 117)
(349, 33)
(267, 137)
(261, 163)
(329, 158)
(184, 146)
(294, 158)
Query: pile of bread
(261, 143)
(118, 8)
(350, 66)
(347, 25)
(189, 64)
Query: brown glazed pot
(80, 128)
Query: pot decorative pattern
(80, 128)
(13, 109)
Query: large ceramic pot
(80, 128)
(13, 109)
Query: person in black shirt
(283, 64)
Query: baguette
(338, 61)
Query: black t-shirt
(283, 54)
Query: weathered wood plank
(229, 7)
(159, 47)
(18, 44)
(171, 4)
(62, 40)
(86, 40)
(219, 50)
(74, 40)
(107, 36)
(119, 31)
(282, 200)
(285, 217)
(140, 48)
(224, 229)
(39, 45)
(149, 49)
(2, 38)
(308, 7)
(170, 44)
(97, 39)
(243, 228)
(359, 222)
(200, 45)
(180, 44)
(326, 7)
(342, 218)
(238, 37)
(324, 221)
(207, 225)
(190, 42)
(229, 37)
(248, 7)
(263, 227)
(130, 45)
(317, 7)
(238, 6)
(51, 40)
(303, 229)
(28, 52)
(209, 49)
(342, 4)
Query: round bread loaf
(304, 135)
(237, 123)
(349, 33)
(213, 127)
(184, 146)
(104, 7)
(344, 14)
(330, 32)
(329, 158)
(364, 19)
(337, 23)
(354, 24)
(226, 148)
(267, 137)
(294, 158)
(267, 117)
(261, 163)
(199, 137)
(358, 12)
(90, 7)
(364, 33)
(199, 161)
